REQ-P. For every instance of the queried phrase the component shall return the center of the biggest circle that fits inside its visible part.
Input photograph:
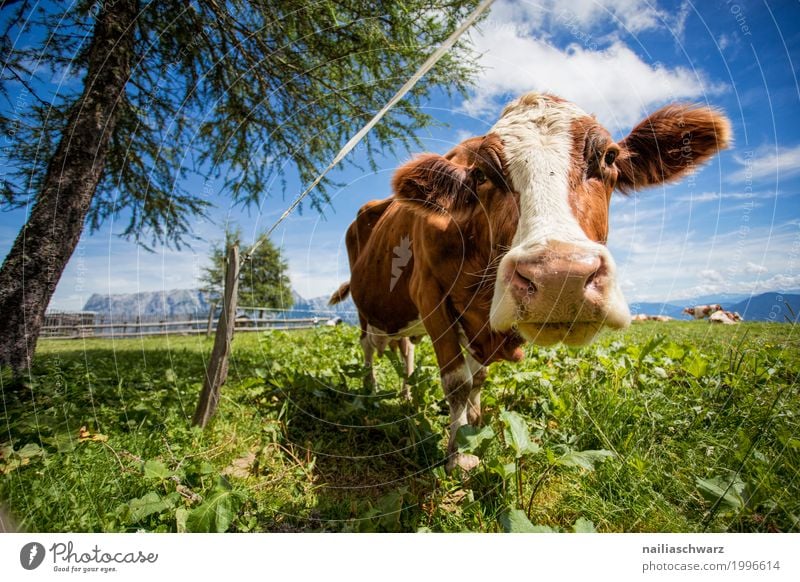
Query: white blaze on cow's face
(555, 283)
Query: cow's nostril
(523, 283)
(593, 281)
(590, 280)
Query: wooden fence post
(217, 371)
(211, 319)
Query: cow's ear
(669, 144)
(432, 183)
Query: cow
(702, 311)
(725, 317)
(502, 240)
(643, 317)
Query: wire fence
(86, 324)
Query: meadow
(666, 427)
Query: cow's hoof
(405, 394)
(464, 461)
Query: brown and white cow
(702, 311)
(502, 240)
(725, 317)
(644, 317)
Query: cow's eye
(610, 157)
(480, 177)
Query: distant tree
(263, 280)
(149, 92)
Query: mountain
(318, 307)
(772, 306)
(669, 309)
(724, 299)
(193, 303)
(149, 305)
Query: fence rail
(125, 329)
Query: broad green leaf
(30, 450)
(697, 366)
(156, 470)
(730, 492)
(515, 521)
(650, 346)
(13, 460)
(181, 514)
(389, 508)
(673, 351)
(63, 442)
(584, 459)
(216, 513)
(499, 468)
(471, 439)
(142, 507)
(583, 525)
(515, 431)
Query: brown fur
(449, 278)
(591, 180)
(670, 143)
(340, 294)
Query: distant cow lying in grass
(702, 311)
(725, 317)
(502, 240)
(643, 317)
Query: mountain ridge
(172, 303)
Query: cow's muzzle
(559, 292)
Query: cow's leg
(457, 385)
(479, 373)
(407, 351)
(374, 342)
(370, 381)
(455, 373)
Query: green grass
(665, 427)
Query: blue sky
(732, 228)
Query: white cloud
(463, 134)
(614, 83)
(767, 162)
(632, 16)
(751, 267)
(658, 261)
(717, 196)
(712, 276)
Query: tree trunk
(45, 244)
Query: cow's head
(550, 169)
